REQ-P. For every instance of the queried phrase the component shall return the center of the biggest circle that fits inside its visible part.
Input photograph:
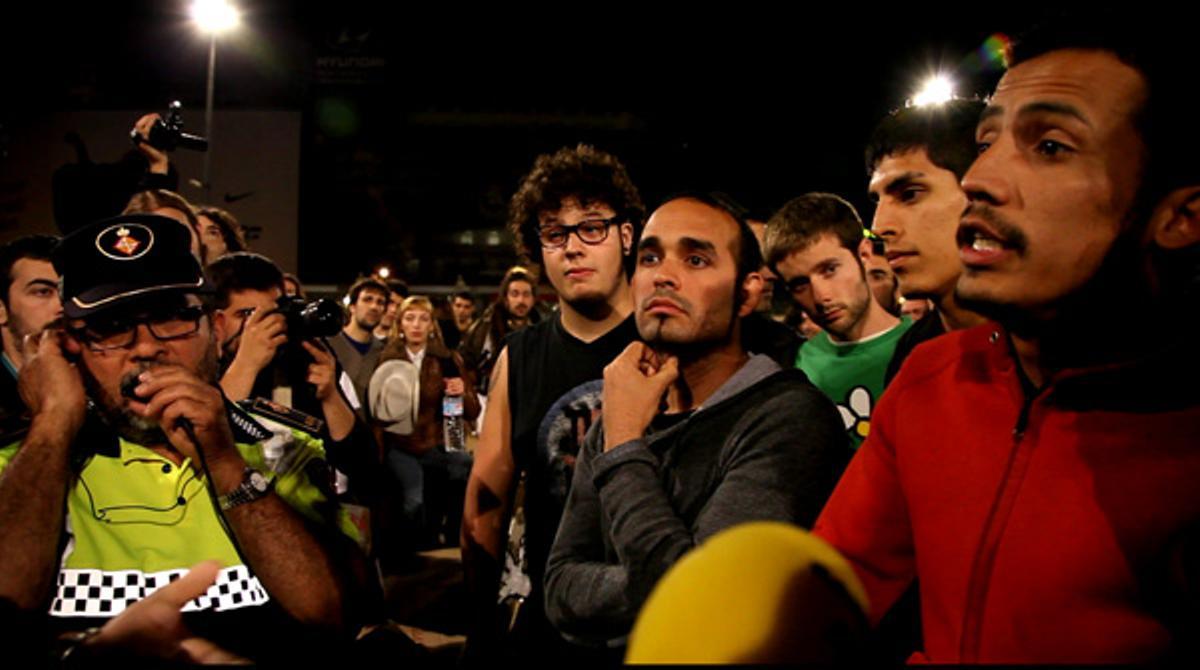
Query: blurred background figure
(880, 276)
(462, 315)
(292, 286)
(175, 206)
(512, 311)
(397, 292)
(220, 232)
(357, 348)
(915, 308)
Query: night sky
(418, 123)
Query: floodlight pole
(208, 114)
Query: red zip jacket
(1056, 528)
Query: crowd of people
(941, 454)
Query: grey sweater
(766, 446)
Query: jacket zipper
(993, 529)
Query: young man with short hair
(1038, 477)
(697, 435)
(815, 244)
(256, 364)
(28, 303)
(578, 214)
(462, 314)
(915, 159)
(357, 349)
(880, 276)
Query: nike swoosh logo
(234, 197)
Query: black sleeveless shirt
(545, 363)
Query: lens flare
(935, 91)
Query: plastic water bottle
(453, 429)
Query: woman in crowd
(433, 474)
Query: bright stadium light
(384, 272)
(936, 90)
(214, 16)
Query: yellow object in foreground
(762, 592)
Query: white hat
(395, 396)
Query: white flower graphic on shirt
(856, 413)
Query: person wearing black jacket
(259, 365)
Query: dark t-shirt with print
(545, 363)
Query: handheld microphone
(127, 389)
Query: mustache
(669, 295)
(1010, 235)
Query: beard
(366, 325)
(855, 311)
(115, 412)
(708, 335)
(1067, 328)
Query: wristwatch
(254, 486)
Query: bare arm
(322, 374)
(159, 162)
(298, 570)
(34, 483)
(488, 503)
(262, 333)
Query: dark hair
(1150, 45)
(242, 271)
(801, 221)
(464, 294)
(946, 132)
(368, 283)
(287, 276)
(583, 173)
(397, 286)
(231, 230)
(500, 312)
(37, 247)
(748, 255)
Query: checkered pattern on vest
(96, 593)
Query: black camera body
(310, 320)
(167, 134)
(306, 321)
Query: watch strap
(247, 492)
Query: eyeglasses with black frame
(108, 333)
(590, 232)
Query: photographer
(158, 164)
(258, 362)
(155, 137)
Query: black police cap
(126, 257)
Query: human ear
(864, 249)
(3, 315)
(626, 238)
(1175, 222)
(220, 324)
(70, 346)
(750, 293)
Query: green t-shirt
(851, 373)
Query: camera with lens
(305, 321)
(167, 133)
(310, 320)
